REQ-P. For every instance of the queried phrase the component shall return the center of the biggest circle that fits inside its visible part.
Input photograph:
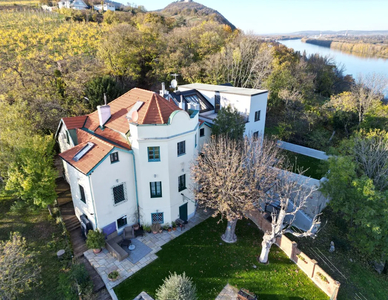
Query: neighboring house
(251, 103)
(74, 4)
(107, 6)
(132, 157)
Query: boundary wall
(310, 266)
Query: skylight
(83, 151)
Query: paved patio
(104, 262)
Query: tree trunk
(229, 236)
(268, 240)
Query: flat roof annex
(224, 89)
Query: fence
(310, 266)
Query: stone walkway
(104, 262)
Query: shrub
(113, 275)
(177, 287)
(95, 240)
(147, 227)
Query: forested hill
(193, 12)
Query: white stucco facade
(249, 102)
(182, 128)
(139, 171)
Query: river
(354, 65)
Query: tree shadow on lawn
(203, 256)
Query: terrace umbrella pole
(229, 236)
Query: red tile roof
(74, 122)
(92, 157)
(155, 110)
(113, 136)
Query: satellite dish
(135, 116)
(174, 83)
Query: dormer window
(114, 157)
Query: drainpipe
(94, 209)
(137, 197)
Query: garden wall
(305, 263)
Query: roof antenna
(174, 82)
(105, 98)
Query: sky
(286, 16)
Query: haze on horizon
(287, 16)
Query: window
(181, 146)
(182, 182)
(67, 138)
(118, 193)
(202, 132)
(256, 135)
(114, 157)
(157, 218)
(156, 189)
(257, 115)
(122, 221)
(153, 153)
(195, 140)
(82, 193)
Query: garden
(212, 264)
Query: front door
(183, 212)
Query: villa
(129, 161)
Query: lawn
(315, 168)
(44, 236)
(212, 264)
(361, 281)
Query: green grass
(43, 236)
(360, 276)
(212, 264)
(315, 168)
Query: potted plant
(155, 228)
(95, 240)
(112, 276)
(166, 227)
(147, 228)
(173, 225)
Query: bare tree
(370, 150)
(366, 94)
(18, 272)
(289, 195)
(246, 63)
(231, 176)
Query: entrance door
(183, 212)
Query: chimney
(163, 89)
(217, 102)
(103, 114)
(182, 104)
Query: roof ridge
(148, 91)
(158, 106)
(148, 108)
(96, 137)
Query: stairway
(77, 239)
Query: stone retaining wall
(310, 266)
